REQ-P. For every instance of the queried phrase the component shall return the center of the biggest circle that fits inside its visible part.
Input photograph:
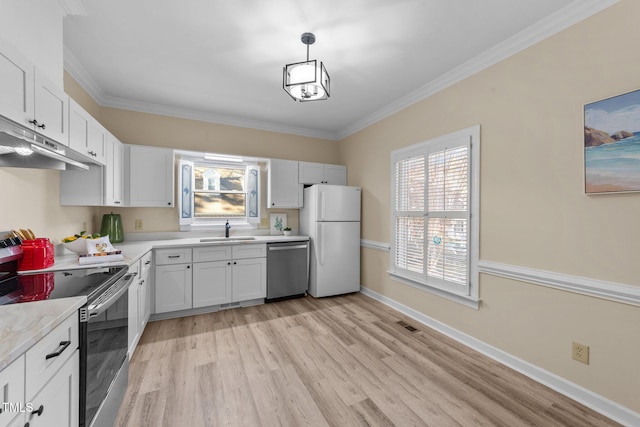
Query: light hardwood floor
(340, 361)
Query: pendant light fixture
(306, 81)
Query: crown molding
(564, 18)
(84, 79)
(184, 113)
(573, 13)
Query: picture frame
(612, 144)
(277, 222)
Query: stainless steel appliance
(103, 326)
(287, 270)
(21, 147)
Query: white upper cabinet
(16, 86)
(113, 172)
(86, 135)
(283, 189)
(149, 176)
(51, 114)
(320, 173)
(29, 98)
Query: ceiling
(221, 61)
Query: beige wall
(150, 129)
(534, 212)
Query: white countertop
(25, 324)
(133, 251)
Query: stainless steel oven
(103, 326)
(104, 363)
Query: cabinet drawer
(249, 251)
(12, 390)
(211, 253)
(39, 369)
(145, 263)
(173, 256)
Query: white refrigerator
(330, 216)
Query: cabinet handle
(234, 263)
(273, 204)
(39, 411)
(229, 263)
(116, 202)
(42, 126)
(188, 266)
(141, 282)
(173, 256)
(33, 122)
(168, 203)
(147, 263)
(64, 345)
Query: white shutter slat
(410, 184)
(409, 253)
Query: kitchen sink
(226, 239)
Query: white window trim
(470, 297)
(214, 224)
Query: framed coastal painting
(612, 144)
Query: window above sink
(216, 189)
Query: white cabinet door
(97, 143)
(335, 174)
(283, 189)
(144, 303)
(12, 391)
(79, 125)
(311, 173)
(57, 404)
(51, 111)
(150, 176)
(249, 279)
(173, 288)
(133, 322)
(113, 180)
(211, 283)
(16, 86)
(320, 173)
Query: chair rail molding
(612, 291)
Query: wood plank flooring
(340, 361)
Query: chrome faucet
(227, 227)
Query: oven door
(105, 366)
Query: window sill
(466, 300)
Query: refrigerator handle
(322, 205)
(320, 243)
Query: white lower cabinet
(12, 394)
(173, 288)
(42, 387)
(139, 308)
(218, 274)
(249, 279)
(57, 403)
(211, 283)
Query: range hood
(21, 147)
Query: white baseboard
(578, 393)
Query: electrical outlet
(264, 222)
(580, 352)
(139, 224)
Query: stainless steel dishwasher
(287, 270)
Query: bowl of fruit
(78, 242)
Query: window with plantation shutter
(434, 215)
